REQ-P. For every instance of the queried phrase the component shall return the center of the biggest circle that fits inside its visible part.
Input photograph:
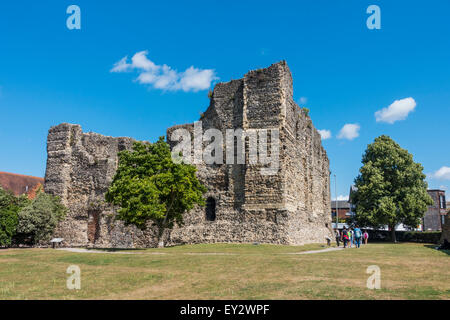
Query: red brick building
(435, 216)
(343, 208)
(20, 184)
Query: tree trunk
(393, 239)
(163, 224)
(161, 228)
(160, 237)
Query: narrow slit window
(210, 209)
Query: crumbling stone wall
(80, 168)
(290, 207)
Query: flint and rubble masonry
(290, 207)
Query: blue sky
(344, 71)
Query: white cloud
(146, 78)
(349, 131)
(195, 79)
(325, 134)
(121, 65)
(140, 61)
(398, 110)
(302, 100)
(164, 77)
(341, 197)
(442, 174)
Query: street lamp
(336, 201)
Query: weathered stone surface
(80, 168)
(446, 228)
(290, 207)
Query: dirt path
(83, 250)
(317, 251)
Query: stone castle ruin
(291, 206)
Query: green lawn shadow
(114, 249)
(434, 246)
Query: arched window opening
(210, 209)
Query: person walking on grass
(350, 237)
(338, 236)
(345, 237)
(366, 236)
(357, 234)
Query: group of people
(351, 237)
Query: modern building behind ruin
(290, 207)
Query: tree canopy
(149, 187)
(38, 220)
(9, 208)
(391, 187)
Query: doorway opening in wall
(93, 225)
(210, 209)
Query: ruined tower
(290, 206)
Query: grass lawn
(226, 271)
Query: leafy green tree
(9, 207)
(391, 187)
(38, 220)
(8, 224)
(150, 187)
